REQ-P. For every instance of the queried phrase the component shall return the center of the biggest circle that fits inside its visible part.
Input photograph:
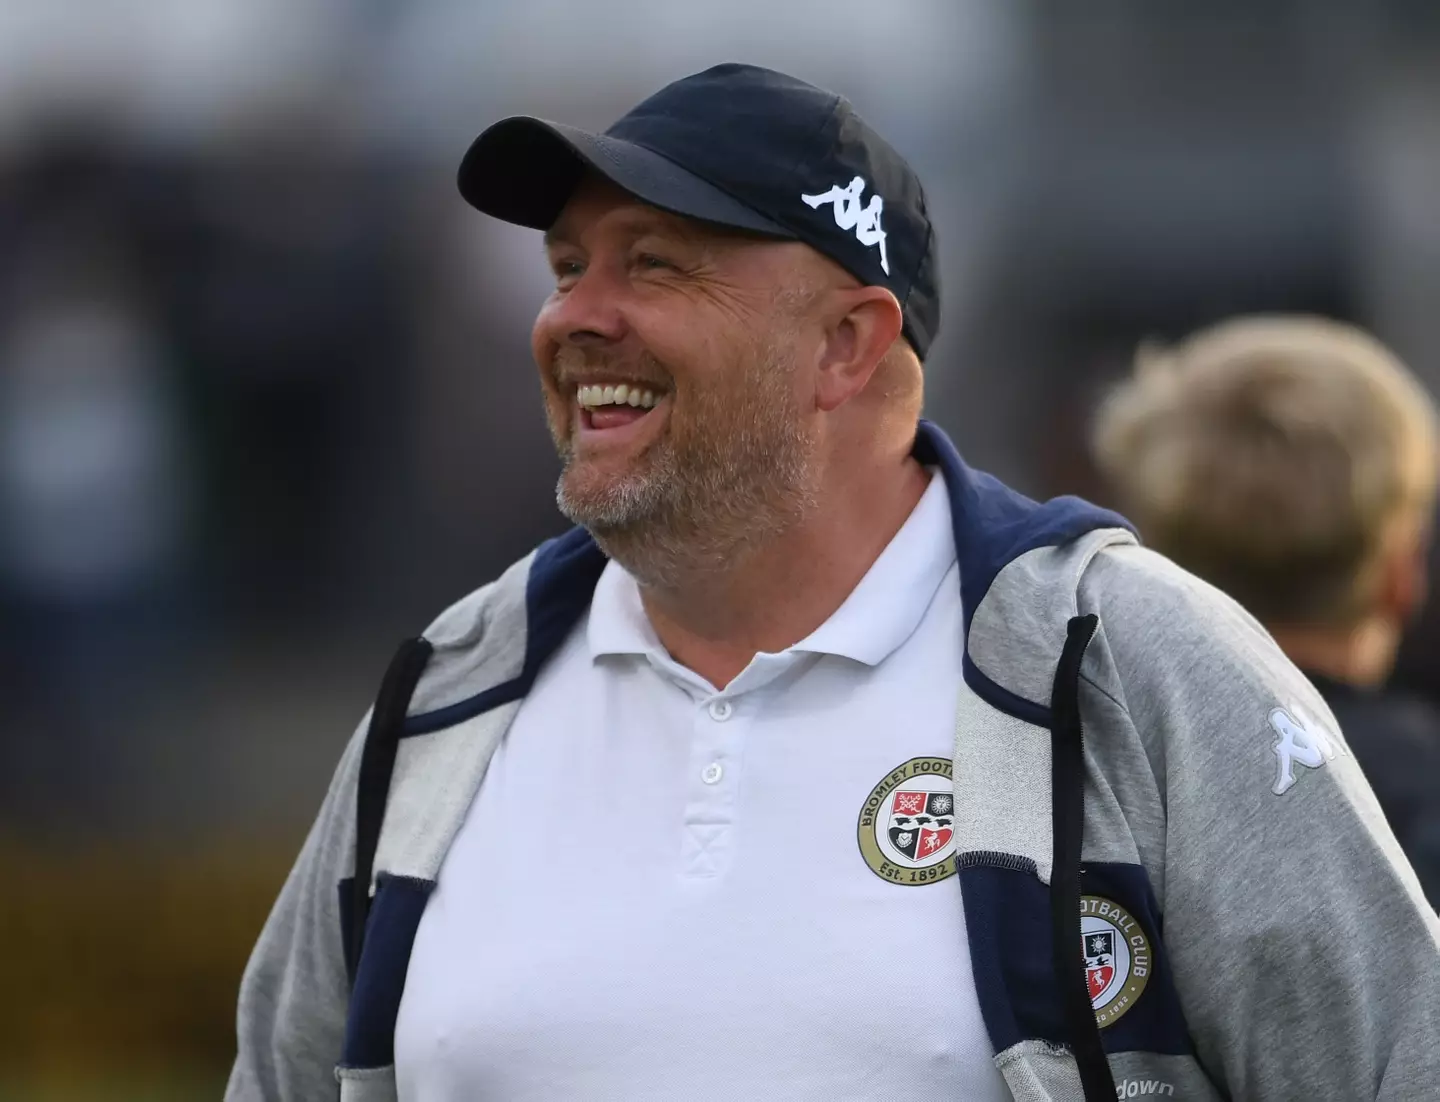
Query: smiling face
(671, 358)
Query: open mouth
(606, 406)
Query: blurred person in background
(93, 531)
(677, 807)
(1292, 462)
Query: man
(814, 764)
(1292, 462)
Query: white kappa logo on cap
(850, 215)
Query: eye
(567, 271)
(652, 263)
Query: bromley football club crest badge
(907, 823)
(1117, 957)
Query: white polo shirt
(665, 892)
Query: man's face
(672, 361)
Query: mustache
(570, 365)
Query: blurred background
(267, 406)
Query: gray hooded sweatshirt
(1133, 757)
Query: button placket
(712, 788)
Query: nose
(588, 313)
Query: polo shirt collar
(879, 615)
(618, 623)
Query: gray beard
(700, 514)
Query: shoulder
(479, 639)
(501, 632)
(1151, 606)
(463, 623)
(1192, 667)
(1175, 649)
(1155, 612)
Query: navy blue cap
(742, 147)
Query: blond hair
(1271, 455)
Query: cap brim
(524, 170)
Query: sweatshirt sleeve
(1305, 957)
(295, 992)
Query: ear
(865, 321)
(1405, 577)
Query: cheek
(542, 345)
(545, 351)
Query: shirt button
(712, 773)
(721, 710)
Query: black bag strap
(377, 763)
(1067, 781)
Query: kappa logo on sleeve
(1303, 741)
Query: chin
(602, 501)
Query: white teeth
(592, 397)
